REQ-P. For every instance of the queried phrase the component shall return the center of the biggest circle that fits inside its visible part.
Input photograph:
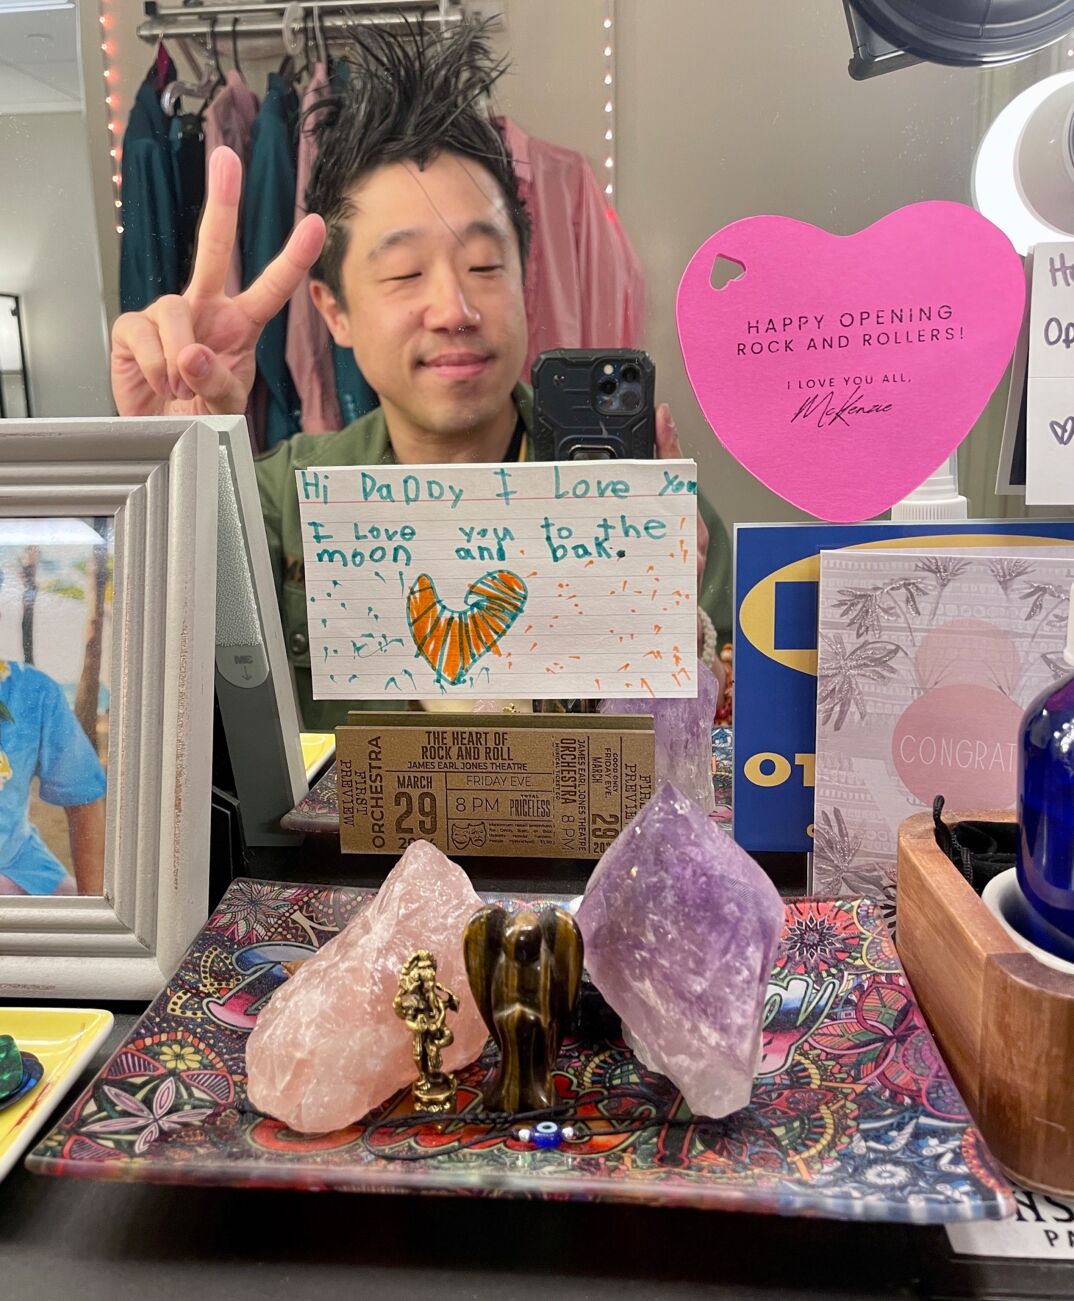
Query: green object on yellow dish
(55, 1044)
(10, 1066)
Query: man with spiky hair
(416, 241)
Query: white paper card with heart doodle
(540, 580)
(1050, 378)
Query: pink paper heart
(848, 425)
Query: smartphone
(594, 404)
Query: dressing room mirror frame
(158, 481)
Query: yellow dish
(63, 1039)
(317, 749)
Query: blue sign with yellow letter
(777, 573)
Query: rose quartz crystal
(328, 1046)
(680, 929)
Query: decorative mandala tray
(317, 813)
(853, 1114)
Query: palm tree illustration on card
(926, 662)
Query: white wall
(49, 258)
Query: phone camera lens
(631, 401)
(630, 375)
(607, 386)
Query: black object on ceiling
(891, 34)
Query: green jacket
(149, 252)
(366, 442)
(268, 214)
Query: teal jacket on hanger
(267, 218)
(149, 252)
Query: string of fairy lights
(111, 103)
(608, 34)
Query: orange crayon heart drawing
(452, 641)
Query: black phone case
(567, 422)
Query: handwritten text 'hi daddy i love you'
(534, 580)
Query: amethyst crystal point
(680, 930)
(683, 731)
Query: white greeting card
(541, 580)
(1050, 380)
(926, 663)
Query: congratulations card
(777, 575)
(926, 663)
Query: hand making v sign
(193, 353)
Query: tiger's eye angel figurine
(422, 1003)
(524, 971)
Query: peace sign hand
(194, 353)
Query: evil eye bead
(547, 1134)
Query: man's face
(432, 283)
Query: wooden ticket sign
(527, 785)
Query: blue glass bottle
(1046, 809)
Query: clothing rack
(288, 20)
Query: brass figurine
(422, 1003)
(524, 970)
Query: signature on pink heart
(1063, 430)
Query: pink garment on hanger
(585, 287)
(309, 345)
(229, 120)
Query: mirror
(689, 113)
(50, 253)
(717, 111)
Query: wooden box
(1003, 1020)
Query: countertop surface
(65, 1238)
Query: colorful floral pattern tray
(853, 1113)
(59, 1041)
(318, 812)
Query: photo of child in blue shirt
(40, 737)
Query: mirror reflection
(712, 112)
(632, 131)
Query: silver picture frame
(158, 481)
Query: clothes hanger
(220, 79)
(211, 79)
(322, 45)
(292, 42)
(235, 46)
